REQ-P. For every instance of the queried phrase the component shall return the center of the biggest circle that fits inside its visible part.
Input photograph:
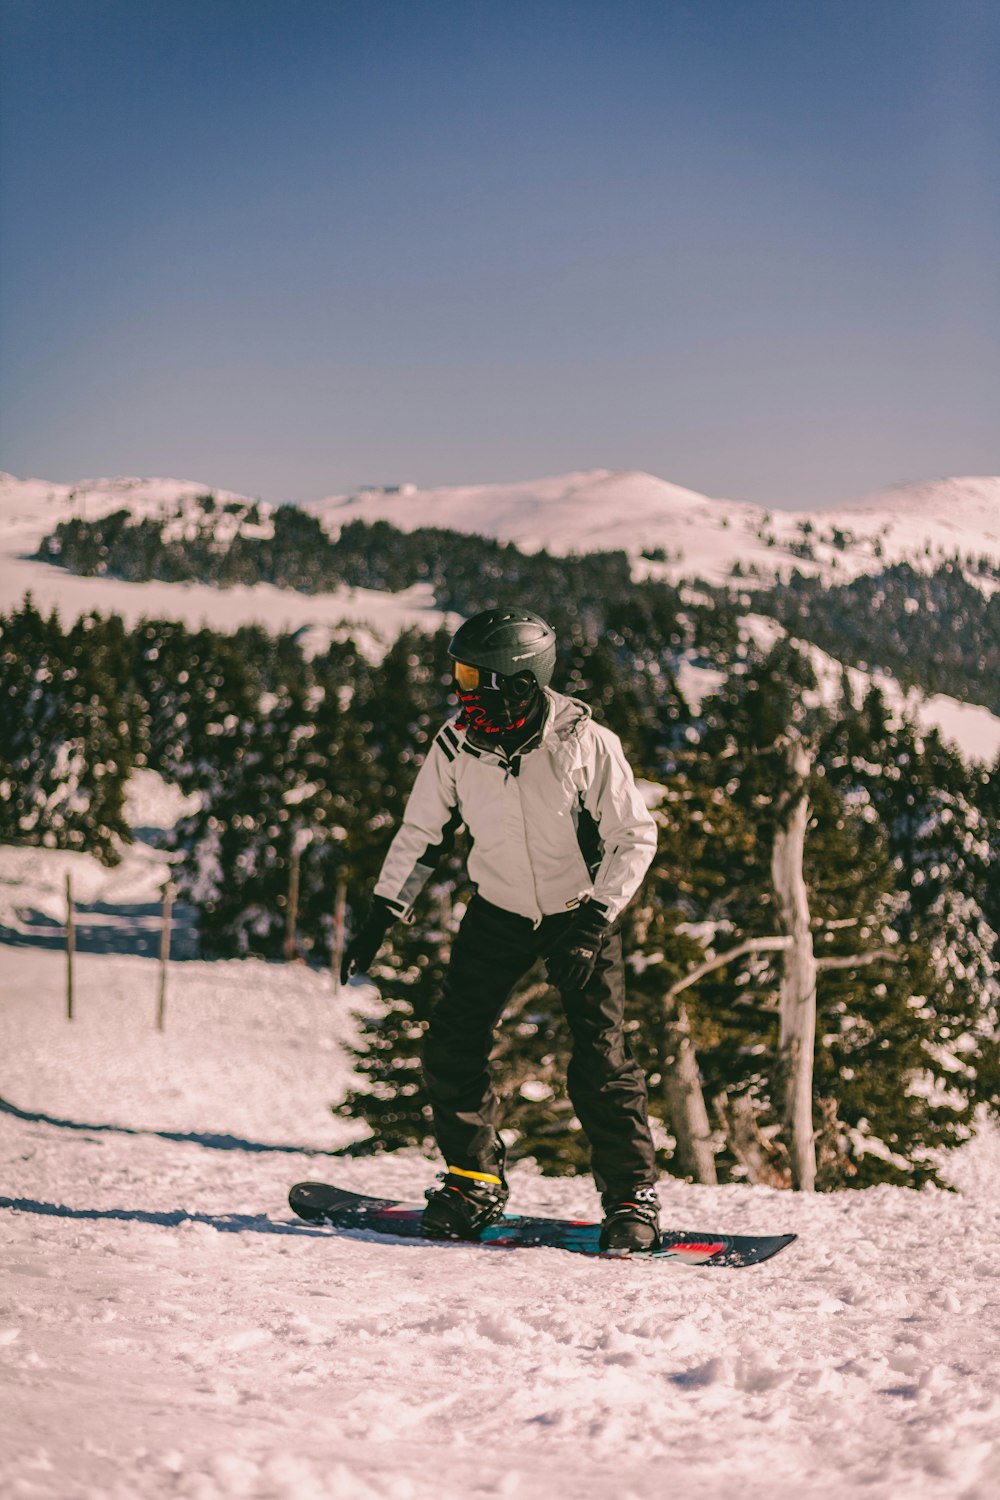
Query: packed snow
(168, 1329)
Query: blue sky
(293, 246)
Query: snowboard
(321, 1203)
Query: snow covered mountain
(697, 536)
(668, 531)
(683, 534)
(591, 511)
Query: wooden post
(161, 999)
(339, 930)
(292, 914)
(70, 946)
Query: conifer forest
(801, 833)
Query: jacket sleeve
(626, 826)
(429, 824)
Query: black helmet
(511, 642)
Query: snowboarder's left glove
(574, 956)
(366, 942)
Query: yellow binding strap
(476, 1176)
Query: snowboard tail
(321, 1203)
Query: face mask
(493, 704)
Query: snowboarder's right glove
(573, 958)
(362, 948)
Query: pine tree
(390, 1094)
(873, 1036)
(396, 714)
(923, 1066)
(268, 788)
(67, 733)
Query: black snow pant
(492, 950)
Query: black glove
(573, 957)
(367, 940)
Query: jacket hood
(567, 718)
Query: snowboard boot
(464, 1204)
(632, 1222)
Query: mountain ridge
(668, 530)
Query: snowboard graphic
(320, 1203)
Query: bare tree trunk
(766, 1161)
(683, 1098)
(833, 1165)
(797, 1041)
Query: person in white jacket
(560, 842)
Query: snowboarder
(561, 840)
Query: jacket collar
(564, 719)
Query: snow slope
(969, 726)
(704, 538)
(580, 512)
(585, 512)
(943, 512)
(118, 907)
(30, 509)
(167, 1330)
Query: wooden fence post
(161, 999)
(339, 930)
(70, 946)
(292, 911)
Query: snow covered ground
(117, 908)
(168, 1330)
(30, 509)
(971, 728)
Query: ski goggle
(466, 676)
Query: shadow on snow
(210, 1142)
(171, 1219)
(101, 927)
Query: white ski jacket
(559, 822)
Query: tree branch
(752, 945)
(772, 945)
(857, 960)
